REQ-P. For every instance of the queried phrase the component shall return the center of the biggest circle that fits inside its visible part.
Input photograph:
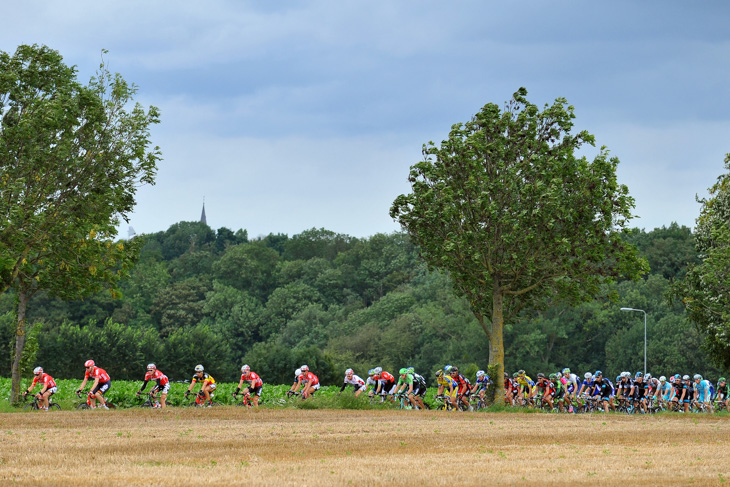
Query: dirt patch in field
(316, 447)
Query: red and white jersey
(157, 375)
(310, 378)
(355, 381)
(253, 378)
(97, 373)
(44, 379)
(384, 377)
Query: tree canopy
(516, 218)
(705, 290)
(71, 159)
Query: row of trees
(366, 303)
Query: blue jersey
(703, 390)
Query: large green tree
(71, 159)
(705, 289)
(515, 216)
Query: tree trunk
(496, 343)
(19, 346)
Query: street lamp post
(633, 309)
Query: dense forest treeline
(334, 301)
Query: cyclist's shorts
(102, 387)
(256, 391)
(52, 390)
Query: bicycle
(87, 404)
(151, 401)
(34, 405)
(200, 401)
(443, 403)
(245, 401)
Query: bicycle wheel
(30, 406)
(83, 405)
(54, 405)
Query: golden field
(234, 446)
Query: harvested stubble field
(234, 446)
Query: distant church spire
(202, 215)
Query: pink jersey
(156, 375)
(44, 379)
(98, 373)
(253, 378)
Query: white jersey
(355, 381)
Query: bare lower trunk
(20, 336)
(496, 344)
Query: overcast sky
(286, 116)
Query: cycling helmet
(480, 373)
(151, 367)
(721, 379)
(245, 369)
(520, 372)
(447, 369)
(305, 368)
(377, 370)
(647, 376)
(553, 376)
(566, 371)
(540, 375)
(515, 375)
(662, 379)
(686, 377)
(297, 372)
(598, 374)
(199, 368)
(506, 375)
(411, 370)
(439, 373)
(403, 371)
(454, 370)
(588, 375)
(89, 363)
(639, 375)
(349, 372)
(697, 377)
(38, 371)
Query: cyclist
(464, 386)
(419, 387)
(355, 381)
(525, 384)
(702, 392)
(721, 394)
(638, 391)
(605, 390)
(406, 384)
(688, 393)
(47, 389)
(481, 385)
(386, 383)
(664, 392)
(254, 384)
(571, 387)
(624, 387)
(307, 381)
(207, 386)
(678, 392)
(162, 386)
(447, 387)
(559, 393)
(543, 390)
(102, 383)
